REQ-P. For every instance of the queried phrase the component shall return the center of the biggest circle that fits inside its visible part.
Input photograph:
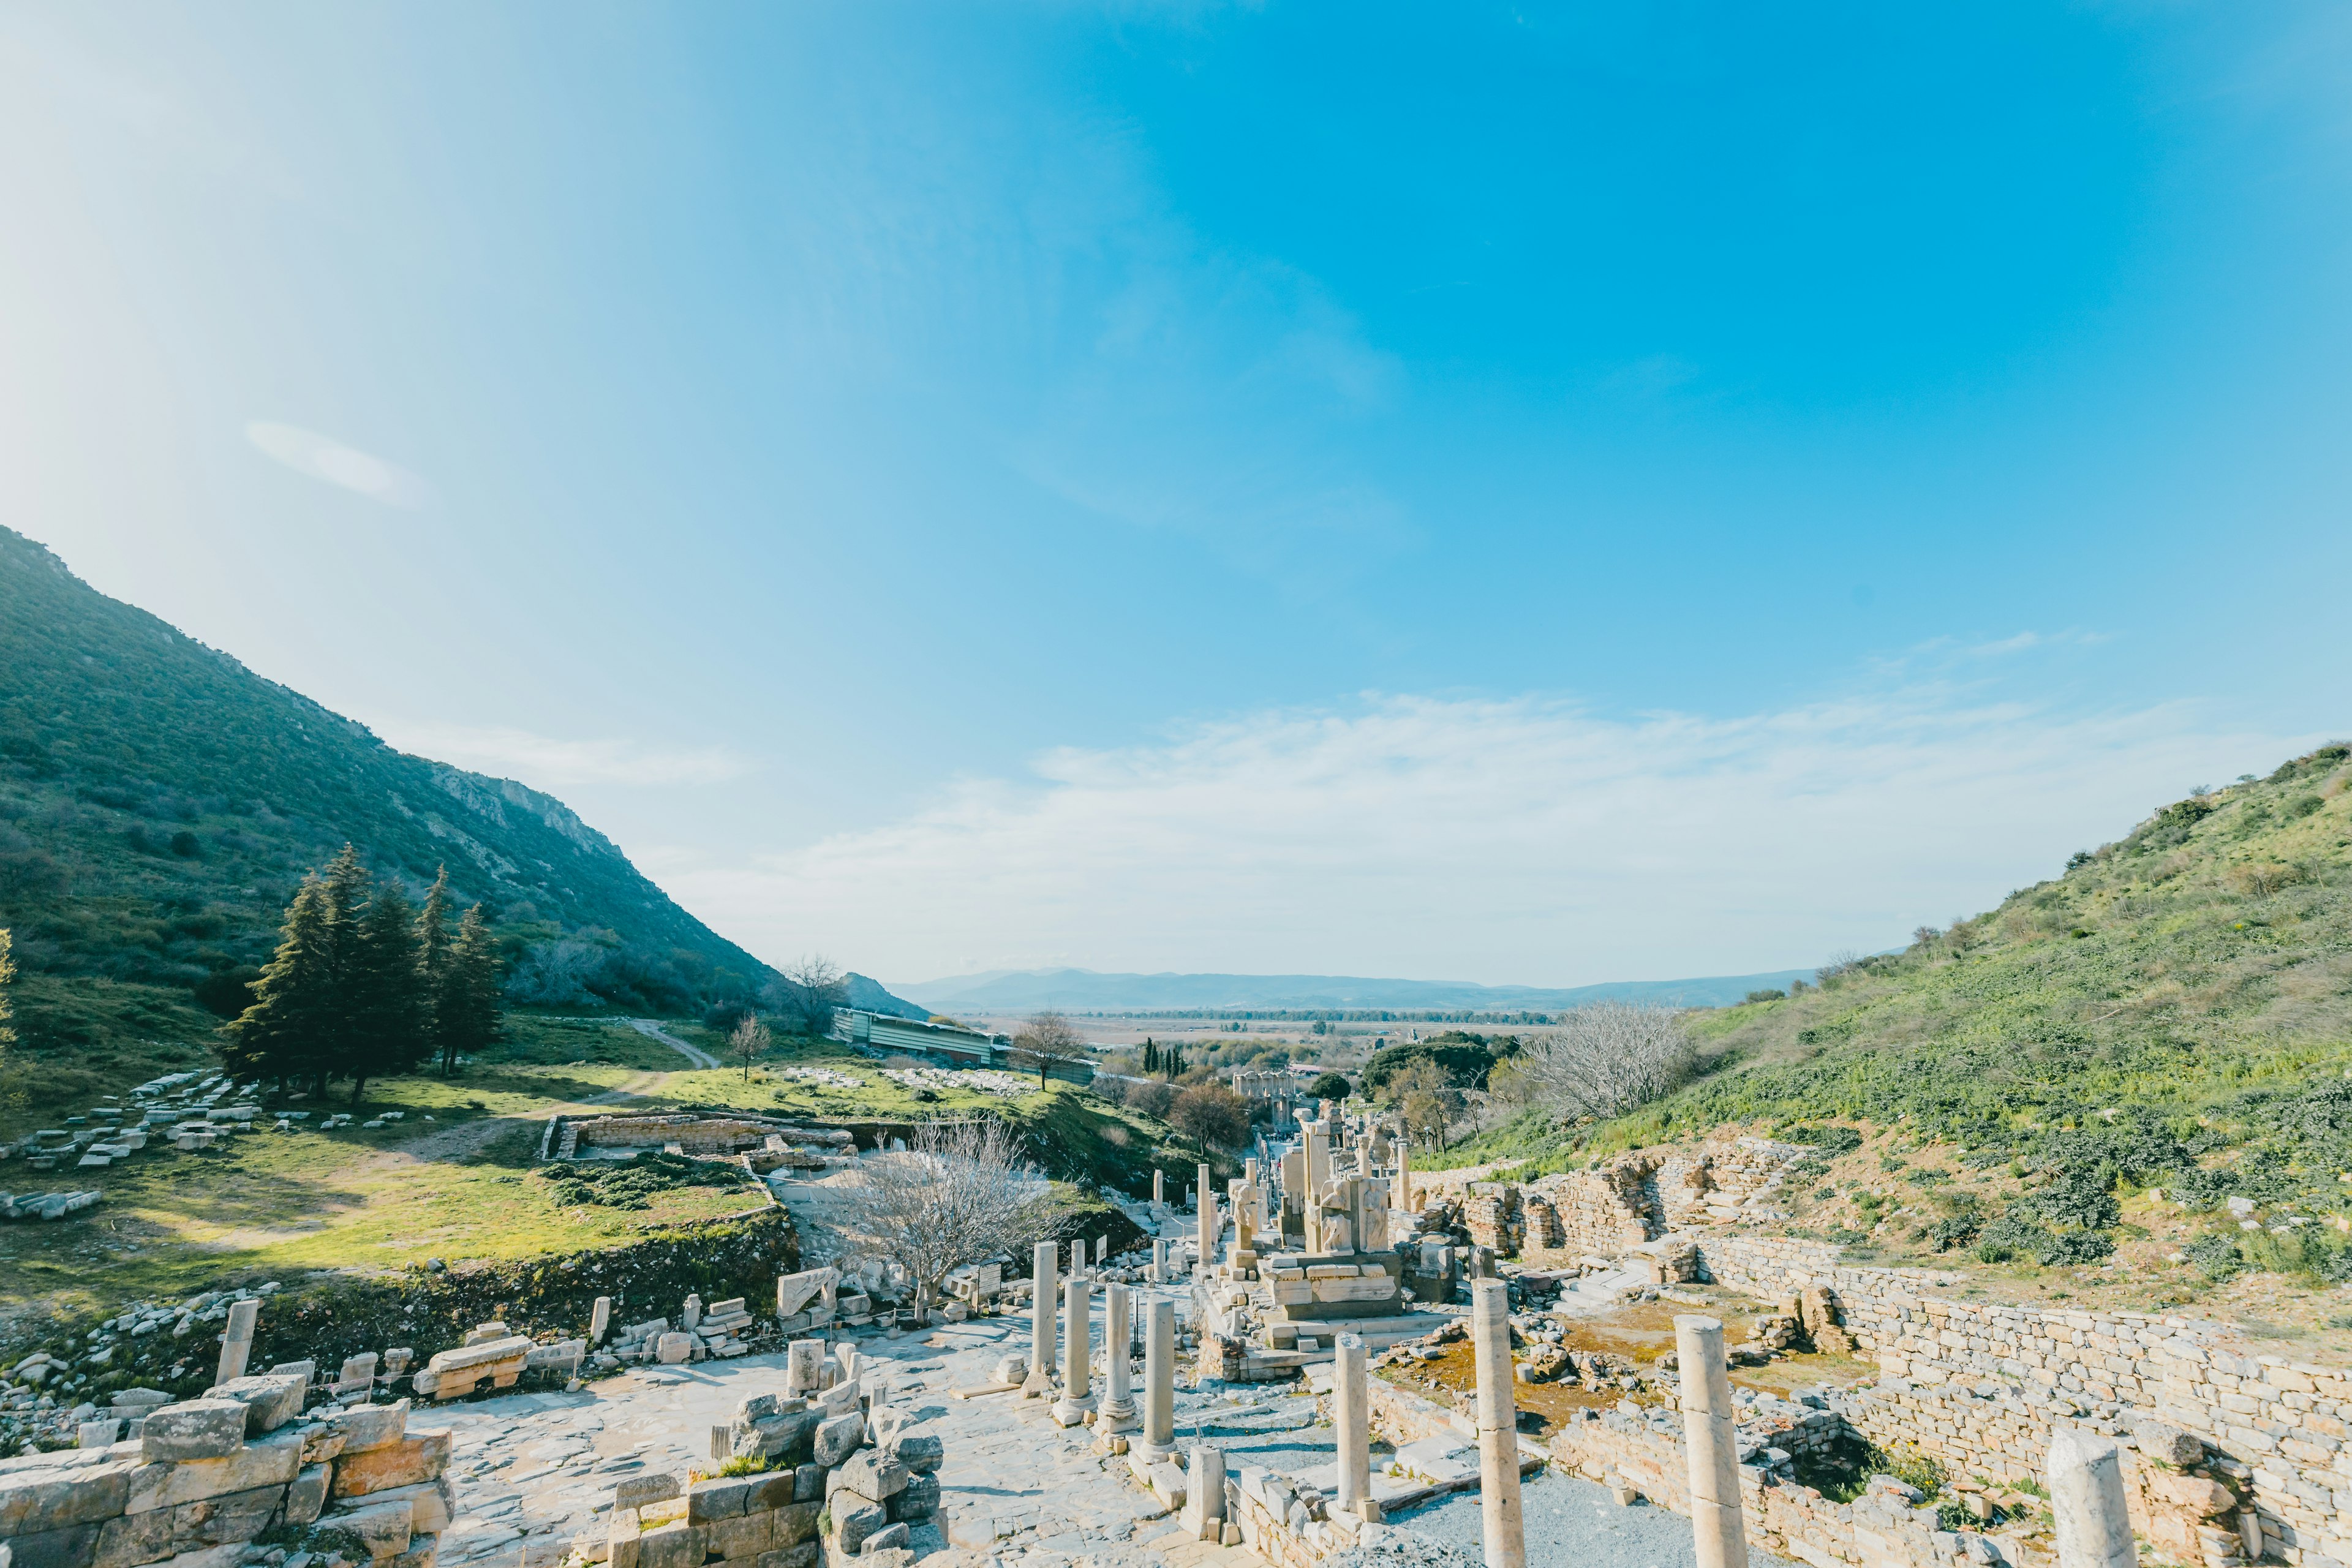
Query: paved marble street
(535, 1472)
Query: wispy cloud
(324, 458)
(547, 763)
(1525, 840)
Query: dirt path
(652, 1030)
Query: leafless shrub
(1046, 1040)
(960, 1193)
(1609, 1058)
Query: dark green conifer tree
(383, 994)
(1151, 1057)
(468, 1004)
(433, 963)
(286, 1035)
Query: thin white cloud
(546, 762)
(1524, 840)
(324, 458)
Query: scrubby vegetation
(2174, 1011)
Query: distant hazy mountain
(1083, 990)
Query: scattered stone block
(419, 1457)
(193, 1429)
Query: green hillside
(158, 803)
(2174, 1010)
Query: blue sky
(1543, 495)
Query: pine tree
(383, 1005)
(286, 1034)
(468, 1004)
(433, 966)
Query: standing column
(2086, 1501)
(237, 1343)
(1208, 1198)
(1041, 1323)
(1498, 1428)
(1403, 1201)
(1158, 1189)
(1159, 1260)
(1351, 1411)
(1077, 1258)
(1159, 1381)
(1711, 1423)
(1117, 1413)
(1078, 1305)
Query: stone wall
(1982, 1387)
(202, 1479)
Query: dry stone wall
(1982, 1388)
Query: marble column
(1117, 1413)
(1077, 1258)
(1204, 1494)
(1401, 1200)
(1159, 1260)
(1159, 1190)
(1498, 1428)
(1208, 1239)
(1077, 1398)
(2088, 1508)
(1710, 1433)
(1351, 1412)
(1159, 1381)
(1041, 1322)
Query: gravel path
(1575, 1521)
(652, 1030)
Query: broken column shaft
(1710, 1434)
(1498, 1428)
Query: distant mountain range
(1083, 990)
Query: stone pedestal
(1040, 1380)
(1204, 1494)
(1710, 1422)
(1498, 1428)
(1077, 1400)
(1158, 1439)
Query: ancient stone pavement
(535, 1473)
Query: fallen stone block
(306, 1495)
(919, 1501)
(889, 1538)
(216, 1521)
(384, 1529)
(873, 1476)
(365, 1427)
(272, 1461)
(852, 1525)
(838, 1438)
(271, 1401)
(432, 1504)
(423, 1550)
(635, 1491)
(193, 1429)
(419, 1457)
(920, 1454)
(38, 1500)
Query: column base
(1117, 1415)
(1073, 1412)
(1150, 1453)
(1036, 1385)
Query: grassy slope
(461, 1188)
(2194, 979)
(117, 734)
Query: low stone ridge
(204, 1478)
(827, 1493)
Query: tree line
(363, 985)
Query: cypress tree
(433, 964)
(1151, 1057)
(285, 1035)
(383, 1032)
(468, 1004)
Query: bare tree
(749, 1042)
(1608, 1058)
(960, 1192)
(1211, 1113)
(807, 994)
(1048, 1040)
(1427, 1101)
